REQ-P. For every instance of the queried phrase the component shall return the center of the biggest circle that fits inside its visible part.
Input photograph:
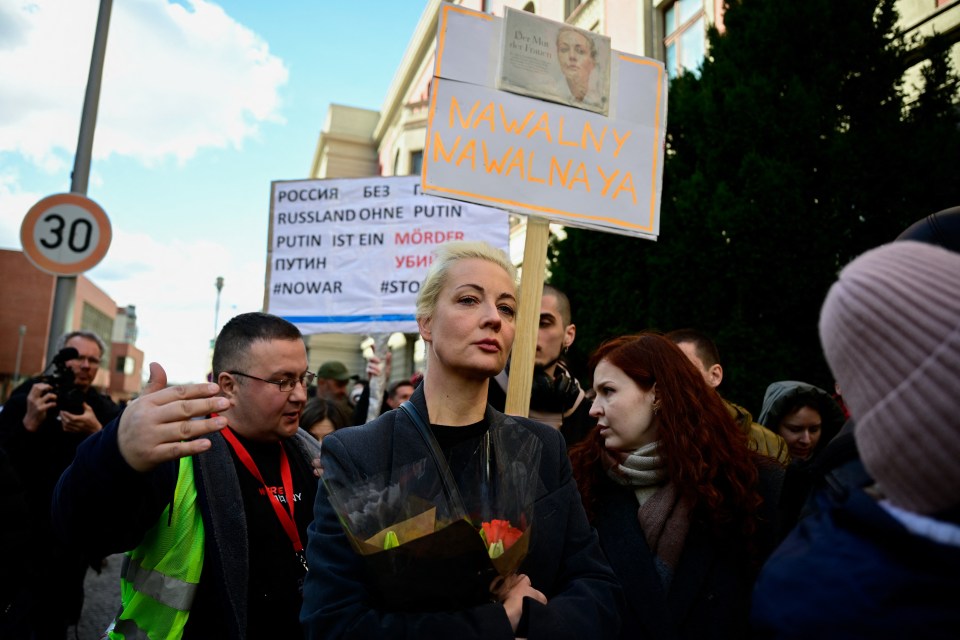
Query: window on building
(685, 42)
(125, 365)
(416, 162)
(570, 6)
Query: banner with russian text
(348, 255)
(598, 165)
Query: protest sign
(565, 163)
(541, 118)
(348, 255)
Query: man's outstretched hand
(164, 423)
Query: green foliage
(793, 151)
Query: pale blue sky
(203, 105)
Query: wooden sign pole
(528, 317)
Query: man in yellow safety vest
(208, 488)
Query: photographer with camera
(556, 398)
(68, 388)
(41, 425)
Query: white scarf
(642, 469)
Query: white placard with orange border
(568, 165)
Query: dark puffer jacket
(853, 571)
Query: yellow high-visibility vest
(159, 578)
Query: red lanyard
(286, 519)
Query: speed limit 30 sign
(65, 234)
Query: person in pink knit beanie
(884, 562)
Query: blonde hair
(446, 256)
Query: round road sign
(65, 234)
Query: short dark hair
(563, 303)
(392, 389)
(803, 398)
(243, 330)
(705, 347)
(319, 408)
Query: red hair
(705, 454)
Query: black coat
(709, 596)
(41, 456)
(38, 459)
(564, 560)
(15, 565)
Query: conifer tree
(796, 147)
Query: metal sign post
(61, 318)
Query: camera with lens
(60, 377)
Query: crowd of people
(653, 507)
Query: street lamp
(216, 312)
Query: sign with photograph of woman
(552, 61)
(551, 122)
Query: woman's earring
(656, 407)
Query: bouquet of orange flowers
(435, 538)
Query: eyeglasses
(286, 385)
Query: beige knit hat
(890, 329)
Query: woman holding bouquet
(686, 512)
(379, 472)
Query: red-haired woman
(685, 511)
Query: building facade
(126, 360)
(673, 31)
(361, 142)
(25, 327)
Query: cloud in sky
(177, 78)
(173, 286)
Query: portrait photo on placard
(554, 61)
